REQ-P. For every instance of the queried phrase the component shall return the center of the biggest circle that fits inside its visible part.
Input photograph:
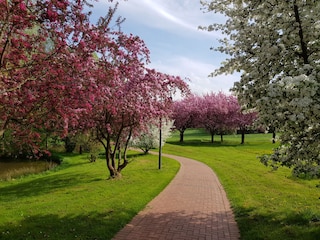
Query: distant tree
(275, 44)
(245, 120)
(231, 120)
(218, 112)
(149, 138)
(185, 113)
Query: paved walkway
(193, 206)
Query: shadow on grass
(135, 155)
(91, 225)
(43, 185)
(49, 183)
(290, 225)
(94, 225)
(204, 143)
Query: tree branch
(304, 48)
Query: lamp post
(160, 143)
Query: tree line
(218, 113)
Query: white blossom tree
(275, 44)
(149, 138)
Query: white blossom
(276, 46)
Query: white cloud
(180, 16)
(197, 72)
(170, 31)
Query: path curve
(193, 206)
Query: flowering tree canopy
(185, 113)
(245, 119)
(129, 96)
(60, 73)
(218, 113)
(275, 45)
(46, 53)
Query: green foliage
(69, 145)
(75, 201)
(267, 204)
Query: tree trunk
(304, 49)
(242, 135)
(181, 136)
(2, 148)
(46, 140)
(112, 170)
(80, 149)
(110, 159)
(212, 137)
(125, 161)
(274, 136)
(221, 137)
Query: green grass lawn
(75, 201)
(267, 204)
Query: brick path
(193, 206)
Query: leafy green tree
(276, 47)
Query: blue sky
(170, 30)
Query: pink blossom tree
(217, 111)
(128, 96)
(46, 62)
(244, 120)
(128, 108)
(221, 113)
(185, 113)
(60, 73)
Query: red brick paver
(193, 206)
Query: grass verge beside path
(77, 202)
(267, 204)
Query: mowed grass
(267, 204)
(75, 201)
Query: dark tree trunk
(273, 131)
(46, 141)
(212, 137)
(109, 161)
(110, 158)
(181, 136)
(221, 137)
(243, 131)
(125, 161)
(304, 49)
(123, 156)
(274, 136)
